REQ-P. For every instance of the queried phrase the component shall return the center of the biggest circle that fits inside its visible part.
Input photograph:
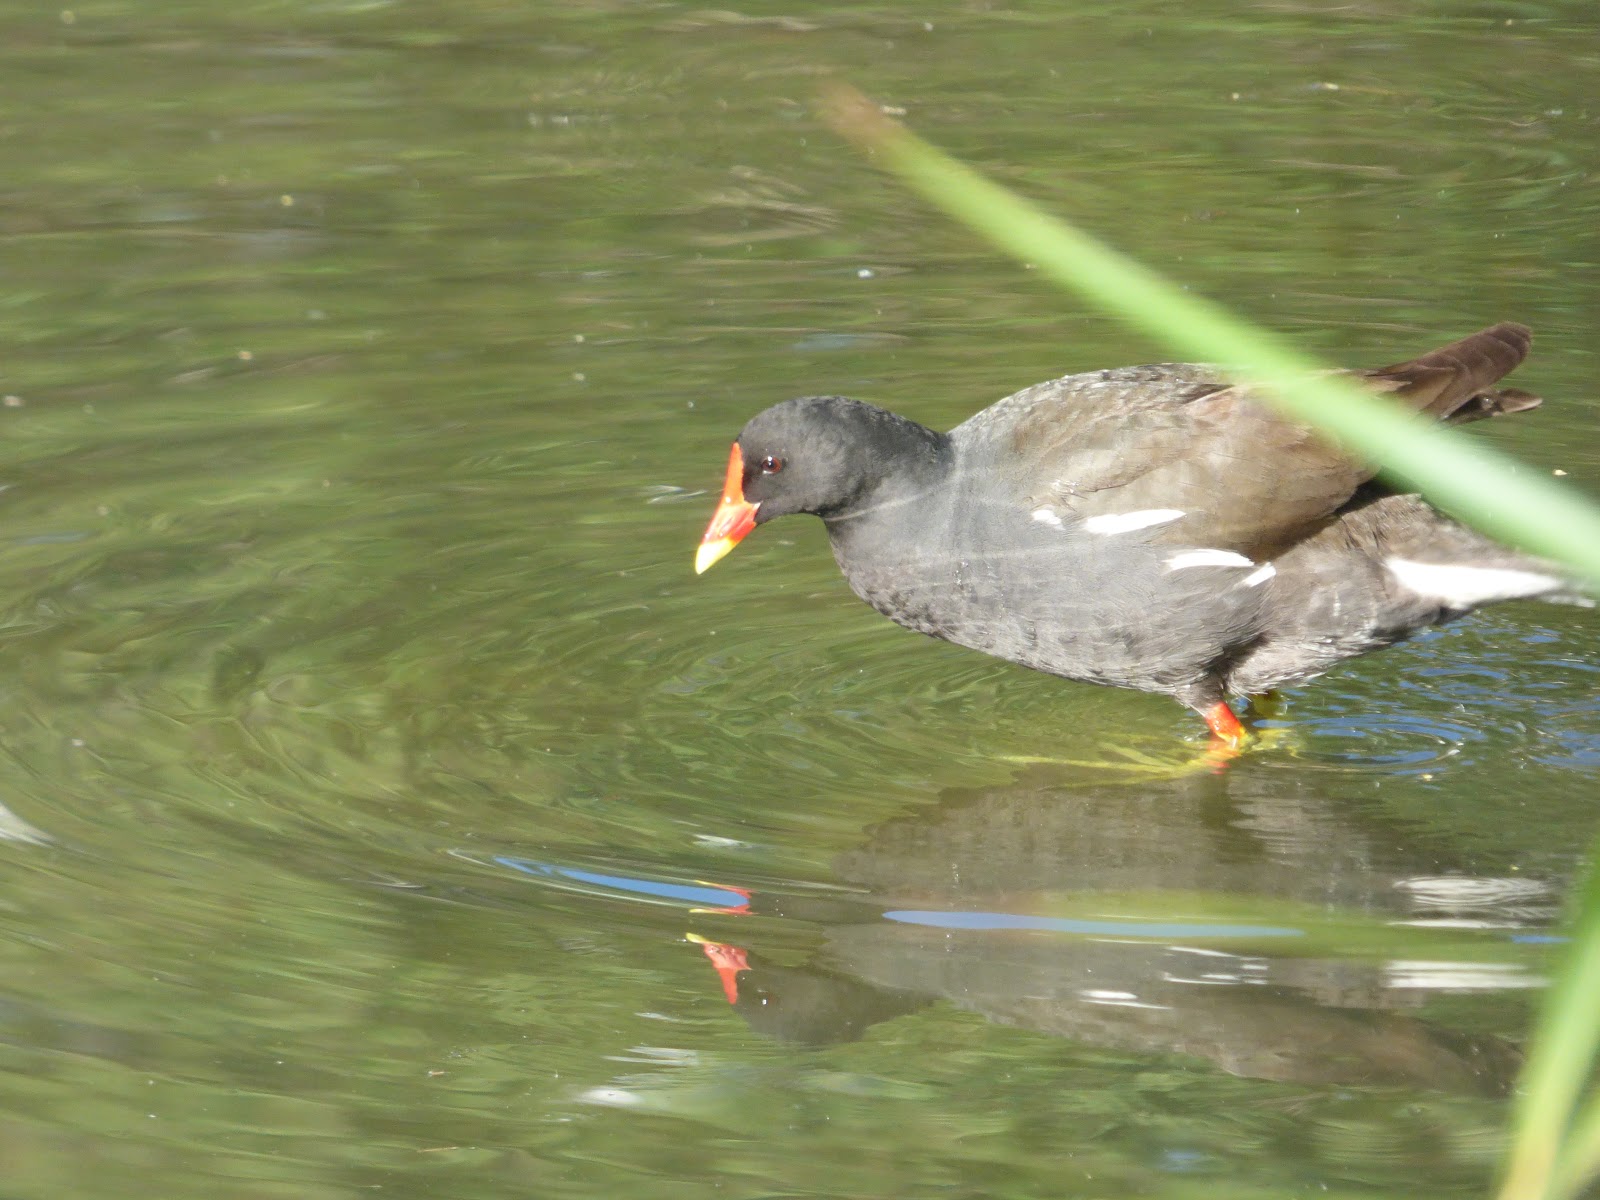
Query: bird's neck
(902, 464)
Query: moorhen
(1146, 527)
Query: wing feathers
(1107, 444)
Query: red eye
(770, 465)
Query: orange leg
(1226, 731)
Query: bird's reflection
(1035, 905)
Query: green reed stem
(1555, 1149)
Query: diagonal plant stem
(1580, 1158)
(1472, 482)
(1552, 1154)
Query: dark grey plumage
(1149, 527)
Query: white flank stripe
(1207, 558)
(1047, 516)
(1463, 587)
(1259, 576)
(1129, 521)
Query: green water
(368, 748)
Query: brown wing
(1246, 478)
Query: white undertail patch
(1207, 558)
(1464, 587)
(1047, 516)
(1109, 523)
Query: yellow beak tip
(710, 552)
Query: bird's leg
(1227, 734)
(1230, 736)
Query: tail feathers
(1429, 556)
(1452, 383)
(1493, 404)
(1465, 586)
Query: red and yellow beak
(734, 517)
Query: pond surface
(389, 810)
